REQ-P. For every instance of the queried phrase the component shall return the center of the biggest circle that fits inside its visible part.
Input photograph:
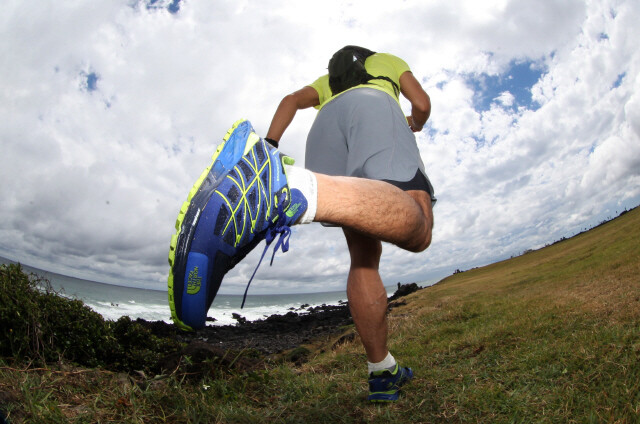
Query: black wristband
(272, 142)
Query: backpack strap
(396, 89)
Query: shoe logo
(193, 282)
(293, 210)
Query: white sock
(387, 363)
(305, 181)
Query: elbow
(289, 101)
(294, 101)
(423, 104)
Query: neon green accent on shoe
(381, 372)
(231, 207)
(293, 209)
(231, 130)
(251, 141)
(180, 219)
(243, 201)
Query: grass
(552, 336)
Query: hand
(412, 125)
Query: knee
(420, 243)
(420, 238)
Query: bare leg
(372, 211)
(366, 294)
(376, 209)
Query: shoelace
(282, 229)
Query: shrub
(38, 324)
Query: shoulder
(392, 60)
(321, 85)
(321, 80)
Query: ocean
(113, 302)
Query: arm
(290, 104)
(420, 102)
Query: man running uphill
(364, 174)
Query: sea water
(113, 302)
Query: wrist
(414, 125)
(273, 142)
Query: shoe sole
(224, 159)
(386, 399)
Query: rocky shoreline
(273, 335)
(267, 336)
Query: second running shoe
(239, 200)
(385, 385)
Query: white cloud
(92, 180)
(506, 98)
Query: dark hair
(346, 69)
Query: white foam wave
(223, 314)
(149, 312)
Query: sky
(111, 109)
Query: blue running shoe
(385, 385)
(241, 199)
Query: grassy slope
(550, 336)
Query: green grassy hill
(552, 336)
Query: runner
(364, 174)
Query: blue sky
(517, 80)
(111, 109)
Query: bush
(139, 348)
(18, 326)
(37, 324)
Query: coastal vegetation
(550, 336)
(39, 326)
